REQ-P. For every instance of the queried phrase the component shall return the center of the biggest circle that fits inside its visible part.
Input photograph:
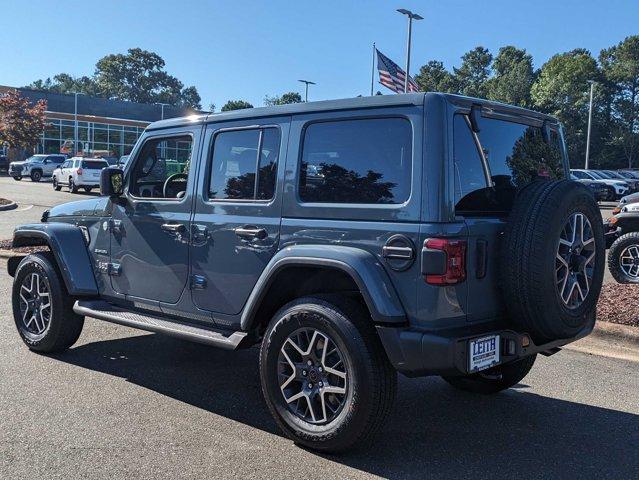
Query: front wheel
(324, 373)
(17, 178)
(42, 308)
(494, 379)
(56, 185)
(88, 189)
(36, 176)
(623, 258)
(73, 188)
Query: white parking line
(22, 209)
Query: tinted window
(159, 160)
(356, 161)
(468, 168)
(94, 164)
(236, 163)
(518, 154)
(56, 159)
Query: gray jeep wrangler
(426, 234)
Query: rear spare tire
(553, 260)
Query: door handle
(250, 232)
(174, 227)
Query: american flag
(393, 77)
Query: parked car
(622, 237)
(620, 186)
(4, 163)
(348, 238)
(79, 172)
(632, 174)
(632, 198)
(600, 191)
(611, 174)
(36, 167)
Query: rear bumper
(417, 353)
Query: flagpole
(373, 69)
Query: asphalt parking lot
(124, 403)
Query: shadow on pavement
(434, 430)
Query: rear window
(516, 154)
(94, 164)
(365, 161)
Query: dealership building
(104, 126)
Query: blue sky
(249, 49)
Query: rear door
(236, 224)
(489, 167)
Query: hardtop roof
(376, 101)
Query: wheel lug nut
(320, 369)
(310, 385)
(320, 384)
(304, 372)
(309, 363)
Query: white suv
(79, 172)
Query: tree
(473, 74)
(562, 90)
(433, 77)
(620, 68)
(21, 122)
(289, 97)
(513, 76)
(236, 105)
(137, 76)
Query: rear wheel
(42, 308)
(36, 176)
(72, 186)
(494, 379)
(623, 258)
(17, 178)
(324, 373)
(88, 189)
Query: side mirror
(111, 182)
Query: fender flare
(362, 266)
(69, 248)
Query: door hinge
(114, 269)
(115, 226)
(198, 282)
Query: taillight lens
(79, 171)
(455, 251)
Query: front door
(151, 221)
(236, 224)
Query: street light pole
(307, 83)
(411, 16)
(75, 123)
(592, 88)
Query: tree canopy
(137, 76)
(236, 105)
(289, 97)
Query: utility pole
(373, 68)
(75, 123)
(307, 83)
(162, 105)
(411, 16)
(592, 88)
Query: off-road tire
(495, 379)
(372, 381)
(73, 188)
(529, 251)
(36, 175)
(56, 185)
(65, 325)
(17, 178)
(614, 257)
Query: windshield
(598, 175)
(581, 175)
(614, 174)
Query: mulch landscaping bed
(617, 303)
(4, 201)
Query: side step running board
(105, 311)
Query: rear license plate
(483, 353)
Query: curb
(614, 331)
(9, 206)
(9, 254)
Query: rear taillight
(455, 262)
(79, 171)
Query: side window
(518, 154)
(244, 164)
(161, 168)
(468, 167)
(365, 161)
